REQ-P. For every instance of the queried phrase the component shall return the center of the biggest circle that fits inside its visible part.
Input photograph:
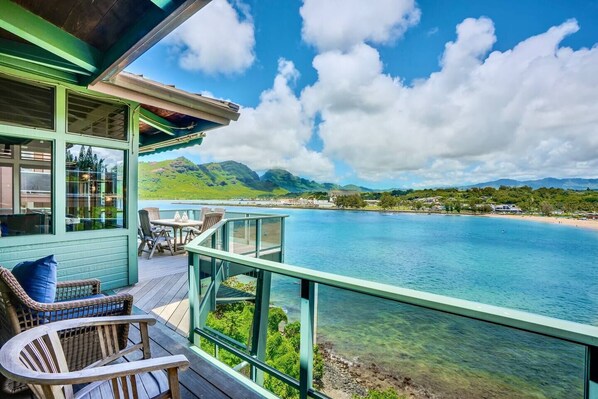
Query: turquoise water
(541, 268)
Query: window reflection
(95, 188)
(26, 186)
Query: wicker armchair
(18, 313)
(36, 358)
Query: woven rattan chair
(37, 358)
(18, 313)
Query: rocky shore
(344, 378)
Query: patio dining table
(177, 225)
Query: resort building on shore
(506, 208)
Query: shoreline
(591, 224)
(343, 379)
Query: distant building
(506, 208)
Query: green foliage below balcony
(282, 348)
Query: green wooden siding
(104, 258)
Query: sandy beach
(585, 224)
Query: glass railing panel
(271, 233)
(371, 343)
(233, 328)
(242, 236)
(284, 338)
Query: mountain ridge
(180, 178)
(572, 183)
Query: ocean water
(540, 268)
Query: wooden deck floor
(162, 290)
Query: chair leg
(170, 246)
(155, 244)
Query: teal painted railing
(216, 255)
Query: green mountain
(182, 179)
(296, 184)
(548, 182)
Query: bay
(540, 268)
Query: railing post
(258, 237)
(213, 276)
(194, 295)
(591, 373)
(260, 323)
(282, 239)
(306, 350)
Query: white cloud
(272, 135)
(340, 24)
(530, 111)
(219, 39)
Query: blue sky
(398, 94)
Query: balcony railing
(519, 345)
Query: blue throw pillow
(38, 278)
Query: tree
(485, 208)
(546, 208)
(350, 201)
(387, 201)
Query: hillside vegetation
(182, 179)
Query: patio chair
(74, 299)
(209, 220)
(37, 358)
(153, 213)
(152, 238)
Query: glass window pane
(26, 104)
(93, 117)
(95, 188)
(26, 180)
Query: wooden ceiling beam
(36, 30)
(36, 55)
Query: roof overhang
(86, 43)
(90, 43)
(169, 117)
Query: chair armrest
(101, 373)
(60, 310)
(67, 290)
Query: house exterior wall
(110, 255)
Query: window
(26, 104)
(95, 188)
(93, 117)
(26, 186)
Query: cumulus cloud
(530, 111)
(340, 24)
(199, 41)
(272, 135)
